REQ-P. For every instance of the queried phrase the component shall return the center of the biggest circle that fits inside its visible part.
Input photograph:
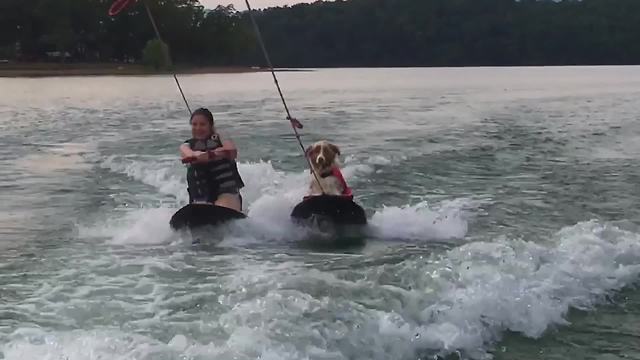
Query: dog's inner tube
(197, 215)
(340, 210)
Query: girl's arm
(228, 150)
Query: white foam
(79, 345)
(260, 177)
(263, 180)
(353, 167)
(269, 197)
(486, 288)
(164, 175)
(460, 300)
(379, 160)
(420, 222)
(373, 160)
(135, 226)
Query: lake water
(503, 207)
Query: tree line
(332, 33)
(32, 30)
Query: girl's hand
(186, 152)
(221, 153)
(201, 156)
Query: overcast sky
(239, 4)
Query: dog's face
(322, 154)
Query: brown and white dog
(324, 159)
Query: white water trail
(269, 197)
(462, 300)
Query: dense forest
(331, 33)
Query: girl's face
(200, 127)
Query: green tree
(156, 55)
(335, 33)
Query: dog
(328, 179)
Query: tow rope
(295, 124)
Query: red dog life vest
(346, 192)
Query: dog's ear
(335, 149)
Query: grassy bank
(103, 69)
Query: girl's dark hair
(204, 112)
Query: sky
(239, 4)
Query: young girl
(213, 175)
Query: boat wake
(269, 197)
(461, 300)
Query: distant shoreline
(39, 70)
(36, 70)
